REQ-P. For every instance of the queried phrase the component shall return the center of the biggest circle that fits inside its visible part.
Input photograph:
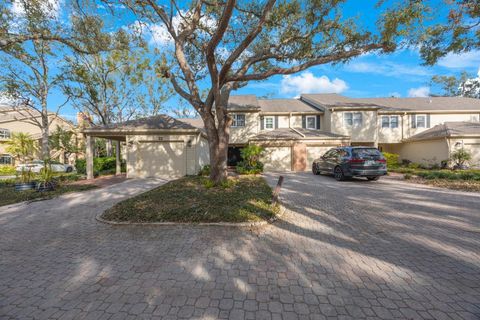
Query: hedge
(101, 166)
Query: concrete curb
(99, 218)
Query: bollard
(276, 192)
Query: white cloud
(461, 61)
(308, 83)
(419, 92)
(389, 69)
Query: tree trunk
(45, 148)
(108, 147)
(218, 147)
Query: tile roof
(161, 121)
(295, 134)
(403, 104)
(285, 105)
(448, 129)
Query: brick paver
(352, 250)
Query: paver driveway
(344, 250)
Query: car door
(331, 161)
(323, 161)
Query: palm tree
(21, 146)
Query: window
(4, 134)
(357, 119)
(348, 118)
(311, 122)
(420, 121)
(5, 159)
(352, 118)
(238, 120)
(269, 121)
(385, 122)
(390, 122)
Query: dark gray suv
(345, 162)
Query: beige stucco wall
(240, 135)
(367, 132)
(315, 152)
(427, 152)
(16, 126)
(203, 154)
(435, 118)
(470, 144)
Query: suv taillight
(354, 160)
(382, 160)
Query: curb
(99, 218)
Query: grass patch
(464, 180)
(193, 199)
(8, 195)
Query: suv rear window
(361, 153)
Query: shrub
(251, 163)
(413, 165)
(392, 159)
(407, 176)
(6, 170)
(208, 183)
(101, 166)
(460, 157)
(205, 171)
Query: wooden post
(118, 168)
(276, 192)
(89, 155)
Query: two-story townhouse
(21, 120)
(397, 125)
(294, 132)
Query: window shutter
(428, 121)
(276, 122)
(304, 122)
(318, 122)
(413, 120)
(261, 123)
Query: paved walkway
(353, 250)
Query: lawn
(8, 195)
(192, 199)
(466, 180)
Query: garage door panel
(315, 152)
(156, 159)
(277, 159)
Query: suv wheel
(315, 169)
(373, 178)
(338, 174)
(69, 169)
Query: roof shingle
(448, 129)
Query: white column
(89, 155)
(118, 168)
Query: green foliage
(64, 141)
(26, 176)
(461, 157)
(443, 174)
(251, 163)
(7, 170)
(208, 183)
(407, 176)
(21, 146)
(205, 171)
(101, 166)
(392, 159)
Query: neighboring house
(294, 132)
(20, 120)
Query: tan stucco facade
(8, 121)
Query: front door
(234, 156)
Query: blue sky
(399, 74)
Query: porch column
(118, 168)
(89, 154)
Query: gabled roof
(448, 129)
(285, 105)
(330, 101)
(158, 122)
(243, 102)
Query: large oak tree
(224, 44)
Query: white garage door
(315, 153)
(277, 158)
(161, 158)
